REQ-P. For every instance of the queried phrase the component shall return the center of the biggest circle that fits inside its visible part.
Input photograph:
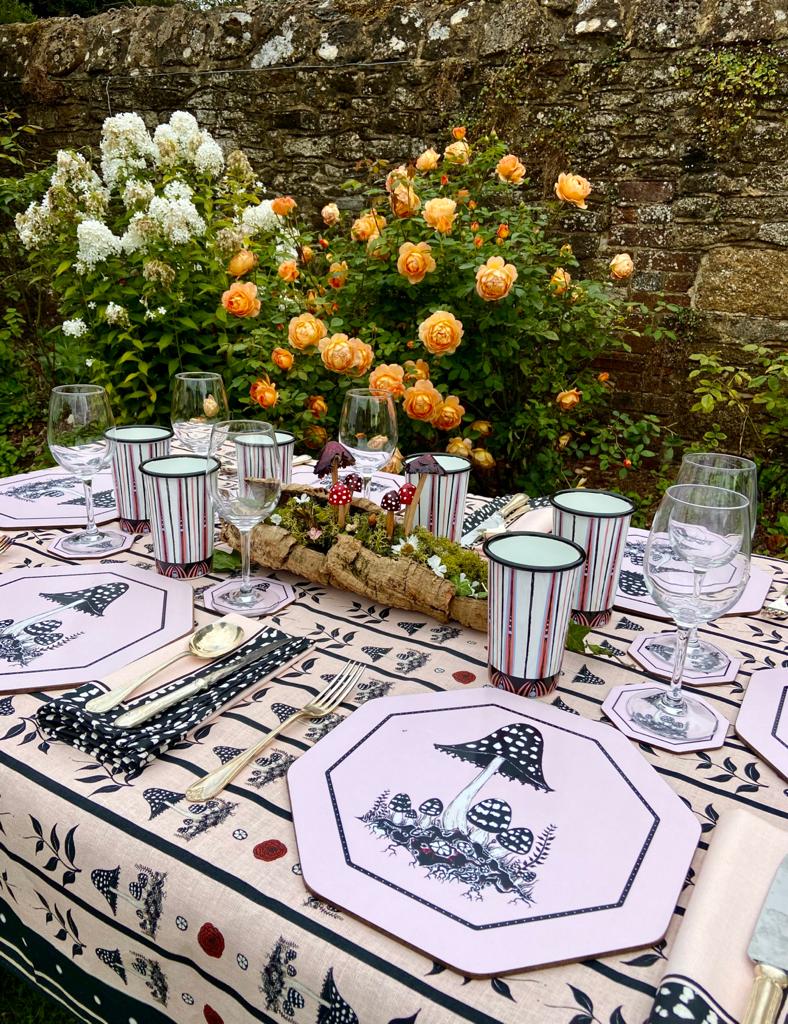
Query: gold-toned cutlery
(768, 950)
(777, 608)
(150, 708)
(211, 641)
(5, 542)
(323, 704)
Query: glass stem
(90, 514)
(367, 492)
(246, 561)
(674, 699)
(692, 640)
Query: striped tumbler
(130, 446)
(441, 506)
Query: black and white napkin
(130, 750)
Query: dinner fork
(323, 704)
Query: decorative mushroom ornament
(424, 465)
(333, 457)
(390, 504)
(340, 497)
(354, 483)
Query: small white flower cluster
(137, 193)
(182, 142)
(116, 314)
(177, 219)
(254, 219)
(35, 226)
(209, 158)
(96, 244)
(74, 328)
(126, 148)
(74, 188)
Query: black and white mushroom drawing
(283, 711)
(488, 818)
(113, 959)
(513, 751)
(92, 601)
(333, 1008)
(160, 800)
(430, 811)
(515, 842)
(399, 805)
(106, 880)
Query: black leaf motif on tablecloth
(406, 1020)
(436, 968)
(499, 985)
(582, 1000)
(113, 959)
(585, 675)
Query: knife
(497, 520)
(769, 950)
(145, 711)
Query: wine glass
(696, 565)
(245, 491)
(734, 473)
(198, 401)
(368, 429)
(79, 414)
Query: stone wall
(673, 108)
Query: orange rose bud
(449, 414)
(482, 427)
(415, 261)
(444, 179)
(330, 214)
(474, 225)
(317, 405)
(282, 358)
(482, 459)
(457, 152)
(389, 378)
(566, 400)
(472, 204)
(323, 243)
(509, 169)
(573, 189)
(627, 463)
(441, 333)
(242, 263)
(603, 377)
(494, 279)
(416, 370)
(305, 330)
(283, 206)
(459, 132)
(315, 436)
(264, 393)
(307, 253)
(241, 300)
(367, 226)
(503, 231)
(428, 161)
(478, 241)
(337, 274)
(288, 271)
(440, 213)
(560, 281)
(422, 401)
(621, 266)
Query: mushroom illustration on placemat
(470, 841)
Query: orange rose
(242, 263)
(422, 400)
(337, 274)
(573, 189)
(459, 132)
(603, 377)
(283, 206)
(403, 200)
(338, 353)
(264, 393)
(317, 405)
(510, 169)
(307, 253)
(282, 358)
(474, 225)
(503, 231)
(472, 204)
(305, 330)
(416, 370)
(461, 195)
(415, 261)
(560, 281)
(567, 400)
(457, 152)
(459, 446)
(397, 177)
(367, 226)
(441, 333)
(315, 436)
(323, 243)
(483, 427)
(241, 300)
(428, 161)
(389, 378)
(449, 414)
(330, 214)
(440, 213)
(478, 241)
(363, 357)
(482, 459)
(494, 279)
(621, 266)
(288, 271)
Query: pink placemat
(52, 497)
(763, 717)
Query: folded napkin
(709, 974)
(129, 750)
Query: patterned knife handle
(108, 701)
(766, 995)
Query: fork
(323, 704)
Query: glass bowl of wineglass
(368, 429)
(198, 401)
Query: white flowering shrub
(136, 251)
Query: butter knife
(518, 503)
(136, 716)
(768, 949)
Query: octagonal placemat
(493, 832)
(53, 497)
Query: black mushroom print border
(475, 844)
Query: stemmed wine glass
(734, 473)
(198, 401)
(696, 565)
(368, 429)
(79, 415)
(245, 491)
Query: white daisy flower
(437, 566)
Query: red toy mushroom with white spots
(340, 497)
(390, 503)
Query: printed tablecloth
(127, 904)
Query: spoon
(211, 641)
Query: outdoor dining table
(130, 906)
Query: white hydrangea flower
(126, 147)
(96, 244)
(74, 328)
(137, 234)
(179, 141)
(177, 219)
(178, 189)
(209, 158)
(255, 219)
(35, 226)
(184, 125)
(137, 193)
(116, 314)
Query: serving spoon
(211, 641)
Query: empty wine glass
(198, 401)
(734, 473)
(696, 565)
(368, 429)
(79, 414)
(245, 491)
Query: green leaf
(224, 561)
